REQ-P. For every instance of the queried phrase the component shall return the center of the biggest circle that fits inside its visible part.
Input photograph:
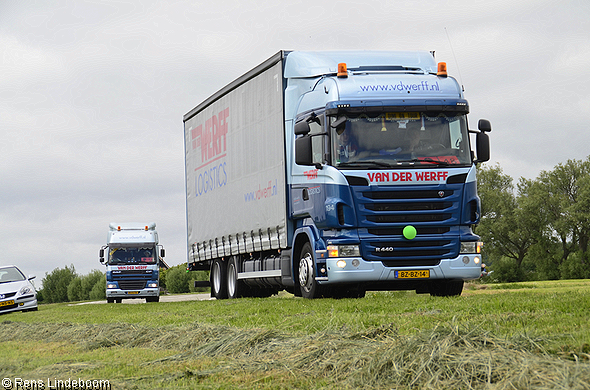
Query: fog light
(476, 260)
(356, 262)
(465, 260)
(341, 263)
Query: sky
(93, 94)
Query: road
(163, 298)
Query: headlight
(344, 251)
(152, 284)
(111, 285)
(471, 247)
(25, 290)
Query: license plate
(413, 274)
(132, 292)
(7, 303)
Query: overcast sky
(92, 96)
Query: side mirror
(482, 141)
(302, 128)
(484, 126)
(303, 151)
(101, 256)
(162, 252)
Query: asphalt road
(163, 298)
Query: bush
(55, 284)
(98, 291)
(574, 267)
(506, 270)
(90, 280)
(177, 279)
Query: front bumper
(462, 267)
(26, 302)
(116, 293)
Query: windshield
(10, 274)
(125, 255)
(399, 139)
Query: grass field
(505, 336)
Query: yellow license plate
(413, 274)
(132, 292)
(7, 303)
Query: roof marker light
(342, 70)
(442, 69)
(119, 228)
(146, 228)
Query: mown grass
(525, 335)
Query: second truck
(329, 174)
(133, 262)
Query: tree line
(538, 229)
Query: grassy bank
(526, 335)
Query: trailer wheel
(307, 283)
(218, 279)
(445, 288)
(235, 288)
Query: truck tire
(235, 288)
(308, 286)
(219, 279)
(445, 288)
(152, 299)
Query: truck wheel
(235, 288)
(445, 288)
(152, 299)
(218, 279)
(307, 283)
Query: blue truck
(329, 174)
(133, 262)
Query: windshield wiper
(363, 163)
(415, 160)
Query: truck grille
(433, 210)
(131, 284)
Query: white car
(16, 291)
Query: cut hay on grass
(450, 357)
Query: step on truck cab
(332, 174)
(133, 260)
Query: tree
(563, 197)
(504, 226)
(55, 284)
